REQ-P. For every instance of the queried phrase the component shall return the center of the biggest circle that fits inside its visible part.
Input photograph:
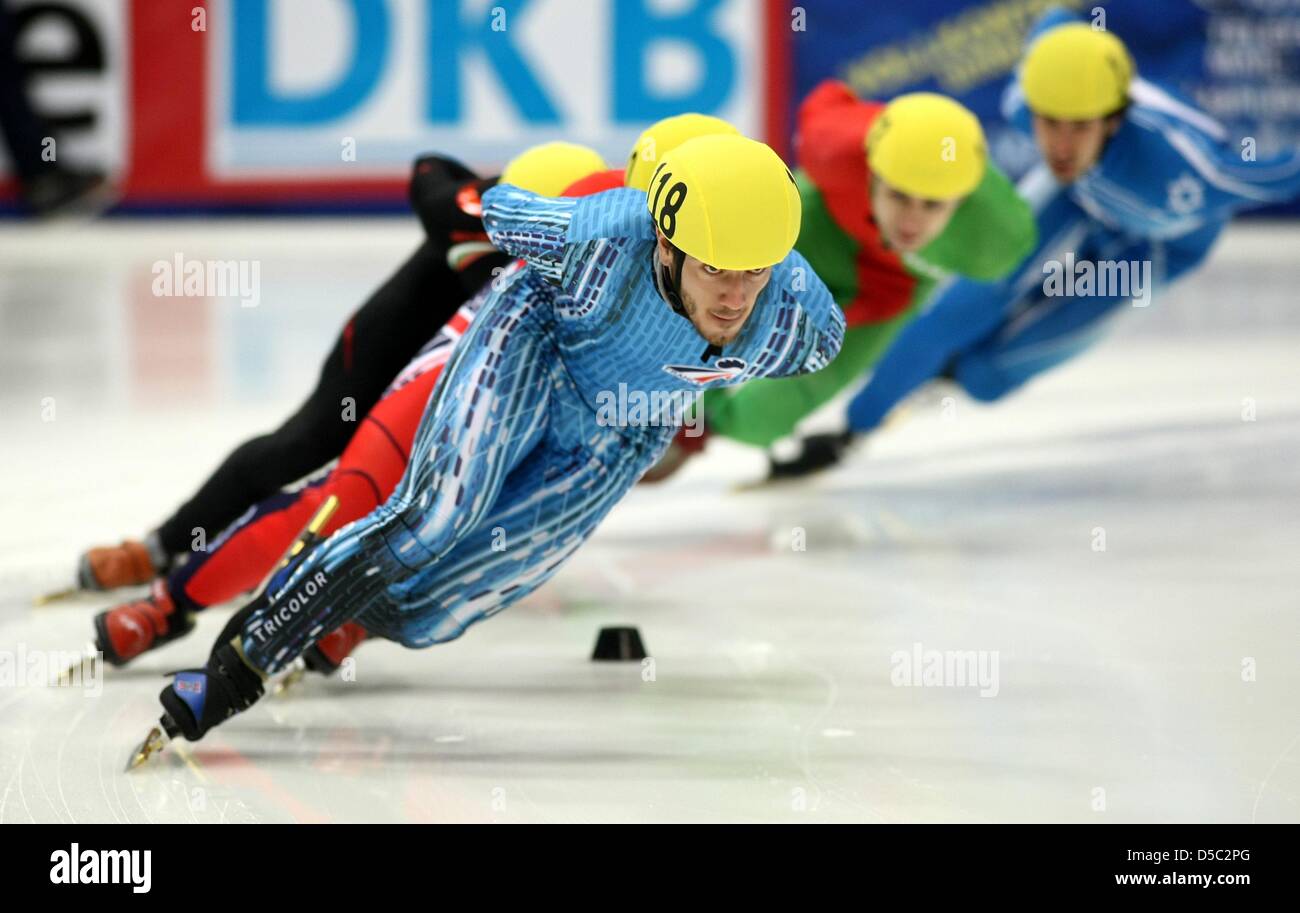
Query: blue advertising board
(1238, 60)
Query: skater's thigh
(380, 449)
(375, 344)
(1044, 330)
(546, 509)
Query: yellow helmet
(726, 200)
(549, 168)
(664, 136)
(927, 145)
(1076, 72)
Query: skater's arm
(1232, 180)
(827, 248)
(963, 313)
(814, 332)
(547, 232)
(990, 233)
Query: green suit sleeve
(989, 234)
(831, 253)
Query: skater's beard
(713, 335)
(717, 302)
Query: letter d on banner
(255, 102)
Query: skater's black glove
(198, 699)
(816, 453)
(445, 195)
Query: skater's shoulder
(1164, 140)
(833, 124)
(617, 213)
(1159, 113)
(795, 282)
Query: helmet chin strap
(668, 280)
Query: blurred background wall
(319, 105)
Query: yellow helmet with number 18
(728, 201)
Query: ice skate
(130, 563)
(124, 632)
(198, 699)
(816, 454)
(157, 739)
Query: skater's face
(717, 301)
(908, 223)
(1072, 147)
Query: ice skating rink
(1116, 548)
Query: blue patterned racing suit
(513, 464)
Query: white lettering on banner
(406, 76)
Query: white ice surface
(1120, 692)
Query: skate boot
(328, 653)
(124, 632)
(129, 564)
(817, 452)
(198, 699)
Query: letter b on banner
(638, 32)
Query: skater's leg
(379, 339)
(550, 504)
(1054, 329)
(241, 557)
(486, 414)
(366, 474)
(963, 314)
(444, 194)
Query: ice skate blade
(769, 483)
(153, 744)
(296, 673)
(309, 536)
(84, 668)
(55, 596)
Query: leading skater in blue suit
(692, 286)
(1134, 188)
